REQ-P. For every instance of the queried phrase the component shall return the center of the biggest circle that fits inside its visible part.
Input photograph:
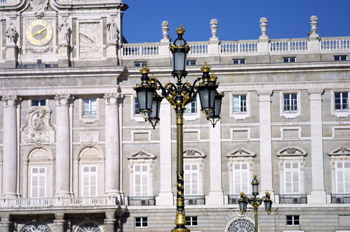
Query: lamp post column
(180, 220)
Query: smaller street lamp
(255, 201)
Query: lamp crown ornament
(144, 70)
(213, 77)
(205, 68)
(180, 30)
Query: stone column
(110, 222)
(165, 193)
(10, 147)
(265, 141)
(318, 194)
(215, 192)
(62, 146)
(112, 166)
(5, 223)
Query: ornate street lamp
(255, 201)
(179, 95)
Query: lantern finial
(205, 68)
(144, 70)
(180, 30)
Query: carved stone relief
(38, 128)
(90, 40)
(39, 7)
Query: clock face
(39, 32)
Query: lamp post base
(180, 229)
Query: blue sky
(237, 20)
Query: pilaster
(5, 223)
(265, 140)
(165, 193)
(10, 146)
(216, 195)
(110, 222)
(112, 145)
(318, 194)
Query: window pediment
(240, 152)
(193, 154)
(291, 152)
(340, 151)
(142, 155)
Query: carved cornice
(291, 151)
(193, 154)
(142, 155)
(240, 152)
(340, 151)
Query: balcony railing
(340, 198)
(293, 199)
(234, 198)
(59, 202)
(141, 200)
(195, 200)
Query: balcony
(66, 202)
(141, 200)
(293, 199)
(340, 198)
(195, 200)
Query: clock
(39, 32)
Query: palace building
(75, 155)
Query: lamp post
(255, 201)
(150, 93)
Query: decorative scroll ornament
(36, 227)
(39, 7)
(89, 227)
(241, 225)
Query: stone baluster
(10, 146)
(265, 141)
(112, 145)
(215, 192)
(62, 146)
(318, 194)
(165, 193)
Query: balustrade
(134, 50)
(288, 46)
(199, 48)
(335, 44)
(293, 199)
(239, 47)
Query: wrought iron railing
(234, 198)
(340, 198)
(141, 200)
(293, 199)
(195, 200)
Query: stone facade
(75, 155)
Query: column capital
(315, 91)
(10, 100)
(63, 99)
(112, 98)
(264, 92)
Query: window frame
(134, 115)
(290, 114)
(289, 59)
(38, 187)
(239, 61)
(189, 174)
(293, 171)
(142, 221)
(339, 113)
(195, 157)
(191, 220)
(340, 57)
(142, 174)
(89, 120)
(39, 102)
(191, 62)
(192, 116)
(248, 176)
(89, 175)
(240, 115)
(293, 220)
(140, 64)
(344, 170)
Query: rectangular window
(89, 108)
(38, 102)
(238, 61)
(342, 176)
(140, 64)
(141, 222)
(192, 221)
(141, 180)
(191, 179)
(191, 108)
(191, 62)
(290, 101)
(239, 104)
(89, 181)
(291, 177)
(293, 220)
(341, 101)
(340, 58)
(288, 59)
(38, 179)
(240, 178)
